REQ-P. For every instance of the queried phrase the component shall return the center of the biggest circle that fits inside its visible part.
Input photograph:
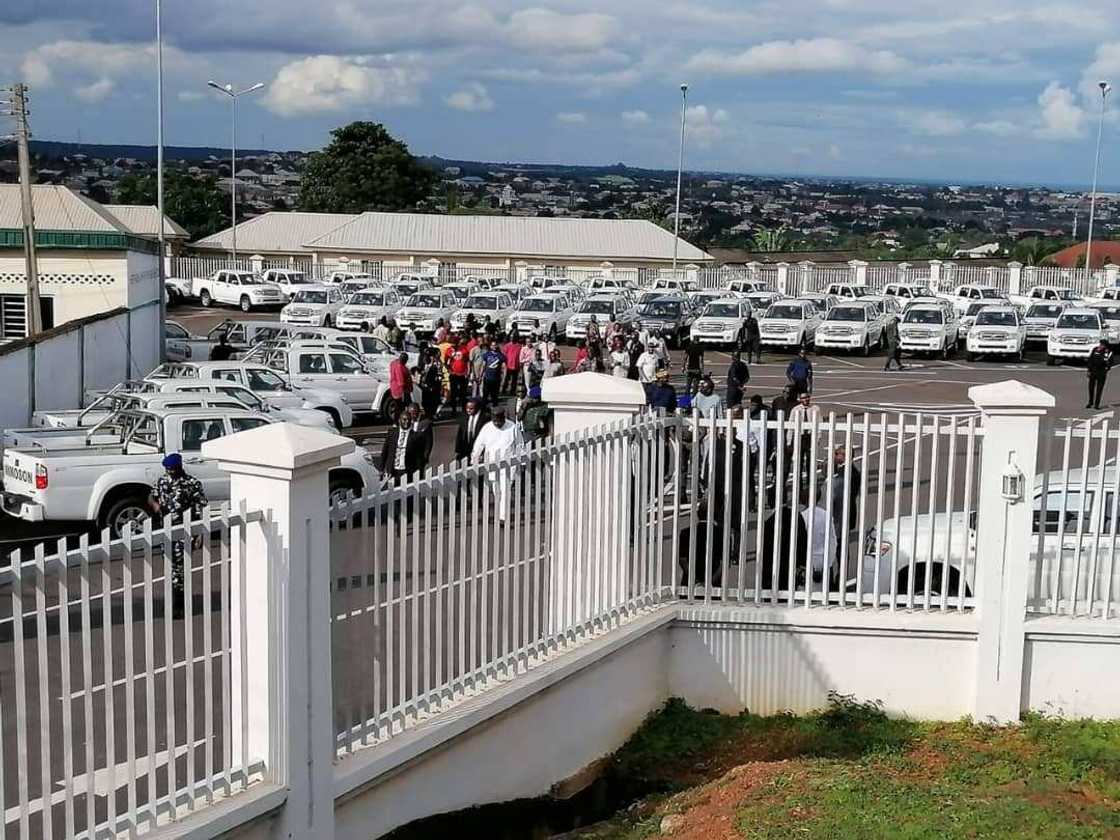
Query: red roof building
(1104, 252)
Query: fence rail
(119, 692)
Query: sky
(978, 91)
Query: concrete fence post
(582, 402)
(283, 468)
(1111, 275)
(935, 275)
(1013, 415)
(859, 272)
(753, 268)
(1014, 278)
(256, 263)
(783, 278)
(805, 270)
(606, 268)
(692, 273)
(903, 272)
(1029, 278)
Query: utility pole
(23, 132)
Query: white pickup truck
(970, 293)
(287, 280)
(242, 289)
(110, 482)
(1055, 294)
(263, 383)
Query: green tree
(363, 168)
(769, 240)
(195, 203)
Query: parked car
(366, 308)
(1041, 318)
(746, 287)
(848, 290)
(851, 325)
(316, 306)
(542, 314)
(1058, 294)
(822, 300)
(497, 306)
(908, 290)
(337, 277)
(1110, 314)
(721, 322)
(408, 285)
(351, 287)
(602, 307)
(789, 323)
(668, 317)
(286, 280)
(997, 331)
(968, 316)
(110, 482)
(671, 284)
(242, 289)
(423, 309)
(928, 328)
(970, 293)
(1076, 333)
(462, 289)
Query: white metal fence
(119, 694)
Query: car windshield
(537, 305)
(406, 288)
(847, 313)
(1044, 310)
(424, 301)
(310, 296)
(352, 287)
(1109, 313)
(368, 299)
(990, 294)
(460, 292)
(924, 316)
(1079, 321)
(476, 302)
(661, 309)
(973, 308)
(921, 291)
(988, 318)
(1066, 294)
(597, 307)
(248, 279)
(792, 313)
(722, 310)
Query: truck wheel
(246, 304)
(204, 298)
(128, 509)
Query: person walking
(175, 494)
(738, 375)
(512, 351)
(649, 363)
(431, 384)
(422, 426)
(493, 366)
(693, 365)
(534, 371)
(845, 473)
(221, 352)
(661, 394)
(799, 374)
(593, 331)
(555, 367)
(404, 451)
(459, 368)
(1099, 363)
(470, 424)
(753, 338)
(619, 359)
(634, 351)
(707, 401)
(894, 344)
(810, 417)
(400, 383)
(477, 351)
(500, 438)
(528, 354)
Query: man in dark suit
(404, 453)
(470, 424)
(422, 426)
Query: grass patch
(852, 772)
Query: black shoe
(1088, 405)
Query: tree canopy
(195, 203)
(363, 168)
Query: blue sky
(988, 90)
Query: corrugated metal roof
(57, 208)
(515, 236)
(276, 231)
(141, 219)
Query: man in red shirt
(459, 368)
(400, 383)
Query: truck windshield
(1044, 310)
(847, 313)
(1067, 294)
(924, 316)
(597, 307)
(661, 309)
(1079, 321)
(406, 289)
(248, 279)
(789, 313)
(722, 310)
(991, 294)
(988, 318)
(310, 296)
(1109, 313)
(424, 301)
(368, 299)
(537, 305)
(488, 302)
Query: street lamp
(1105, 89)
(680, 170)
(229, 91)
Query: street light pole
(1105, 88)
(680, 170)
(229, 91)
(162, 289)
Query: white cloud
(571, 118)
(934, 123)
(1062, 118)
(635, 117)
(808, 55)
(1105, 65)
(544, 29)
(190, 96)
(322, 83)
(471, 97)
(94, 91)
(998, 128)
(42, 66)
(706, 126)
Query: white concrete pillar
(283, 468)
(1014, 278)
(783, 278)
(1111, 275)
(1013, 415)
(521, 269)
(256, 263)
(431, 267)
(904, 272)
(1030, 278)
(581, 553)
(859, 272)
(692, 273)
(805, 277)
(935, 275)
(990, 276)
(606, 268)
(753, 268)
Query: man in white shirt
(500, 438)
(822, 536)
(648, 363)
(810, 416)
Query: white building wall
(81, 283)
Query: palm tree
(1030, 251)
(769, 240)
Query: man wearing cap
(662, 395)
(175, 494)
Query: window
(227, 375)
(312, 363)
(264, 380)
(341, 363)
(244, 424)
(243, 396)
(174, 331)
(233, 281)
(197, 431)
(1077, 511)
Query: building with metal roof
(471, 240)
(143, 220)
(91, 258)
